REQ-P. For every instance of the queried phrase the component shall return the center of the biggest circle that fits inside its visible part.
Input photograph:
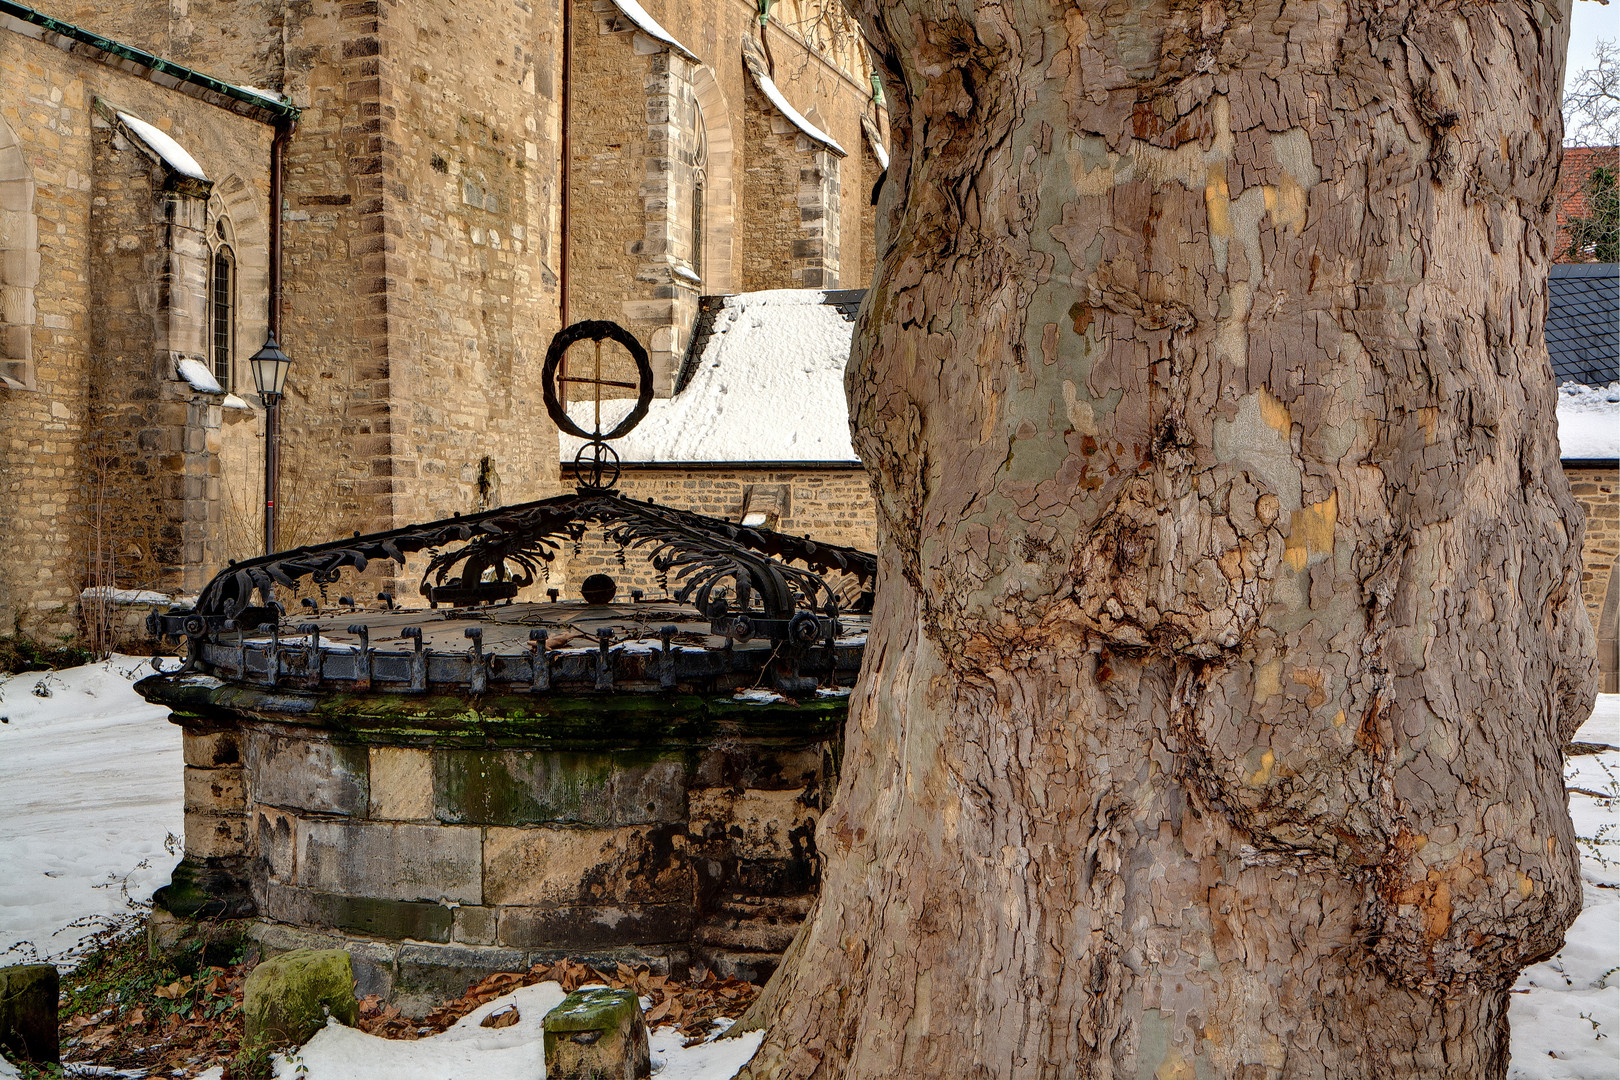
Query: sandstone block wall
(1597, 489)
(421, 288)
(861, 193)
(422, 251)
(770, 202)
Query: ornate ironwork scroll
(748, 581)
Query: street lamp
(270, 367)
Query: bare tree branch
(1592, 101)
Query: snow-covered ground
(1566, 1011)
(90, 790)
(1589, 421)
(469, 1051)
(90, 794)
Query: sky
(1591, 21)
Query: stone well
(445, 810)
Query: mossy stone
(28, 995)
(597, 1034)
(287, 999)
(418, 920)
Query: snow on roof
(649, 26)
(268, 95)
(769, 387)
(167, 150)
(1589, 421)
(197, 374)
(762, 79)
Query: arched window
(700, 179)
(221, 296)
(19, 265)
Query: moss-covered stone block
(596, 1035)
(208, 888)
(286, 1000)
(396, 920)
(28, 1013)
(495, 787)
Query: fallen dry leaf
(500, 1018)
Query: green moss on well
(517, 720)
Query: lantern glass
(270, 367)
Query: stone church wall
(110, 458)
(421, 225)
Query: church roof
(1583, 322)
(765, 383)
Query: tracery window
(221, 297)
(19, 265)
(700, 177)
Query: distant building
(1571, 198)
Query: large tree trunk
(1230, 626)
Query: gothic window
(221, 297)
(700, 177)
(19, 265)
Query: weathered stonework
(112, 468)
(1597, 488)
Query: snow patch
(268, 95)
(1589, 421)
(197, 374)
(163, 145)
(125, 596)
(878, 152)
(769, 387)
(512, 1053)
(93, 779)
(233, 402)
(1565, 1012)
(759, 697)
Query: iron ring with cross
(595, 458)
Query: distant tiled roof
(1583, 322)
(1578, 163)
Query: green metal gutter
(79, 42)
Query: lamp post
(270, 366)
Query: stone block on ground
(286, 1000)
(28, 1013)
(597, 1034)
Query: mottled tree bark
(1230, 624)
